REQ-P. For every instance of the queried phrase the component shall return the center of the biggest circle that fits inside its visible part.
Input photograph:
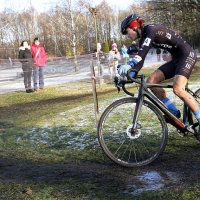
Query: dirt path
(168, 171)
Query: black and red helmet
(132, 21)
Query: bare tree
(67, 29)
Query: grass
(49, 150)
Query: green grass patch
(49, 150)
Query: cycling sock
(170, 105)
(197, 115)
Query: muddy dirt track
(170, 170)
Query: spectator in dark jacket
(26, 59)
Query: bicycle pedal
(184, 134)
(181, 134)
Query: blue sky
(41, 5)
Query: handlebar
(121, 83)
(143, 82)
(138, 79)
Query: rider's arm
(146, 44)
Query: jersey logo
(169, 36)
(188, 65)
(137, 58)
(190, 60)
(147, 42)
(163, 45)
(160, 33)
(191, 54)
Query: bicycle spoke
(115, 153)
(126, 147)
(124, 151)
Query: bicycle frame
(143, 92)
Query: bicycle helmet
(131, 21)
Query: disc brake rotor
(133, 134)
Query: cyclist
(180, 67)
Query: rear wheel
(197, 96)
(195, 123)
(127, 147)
(189, 116)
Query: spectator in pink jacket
(40, 58)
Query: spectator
(39, 56)
(10, 61)
(114, 57)
(124, 53)
(25, 57)
(102, 59)
(158, 52)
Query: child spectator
(114, 57)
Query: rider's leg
(179, 89)
(157, 77)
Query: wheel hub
(133, 134)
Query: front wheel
(127, 147)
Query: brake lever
(117, 83)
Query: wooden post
(94, 90)
(94, 14)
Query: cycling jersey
(159, 36)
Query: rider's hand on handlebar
(124, 69)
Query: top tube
(140, 80)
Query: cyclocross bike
(133, 131)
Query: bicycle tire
(195, 122)
(197, 93)
(114, 135)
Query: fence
(62, 70)
(11, 68)
(62, 66)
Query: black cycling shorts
(179, 65)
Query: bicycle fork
(139, 102)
